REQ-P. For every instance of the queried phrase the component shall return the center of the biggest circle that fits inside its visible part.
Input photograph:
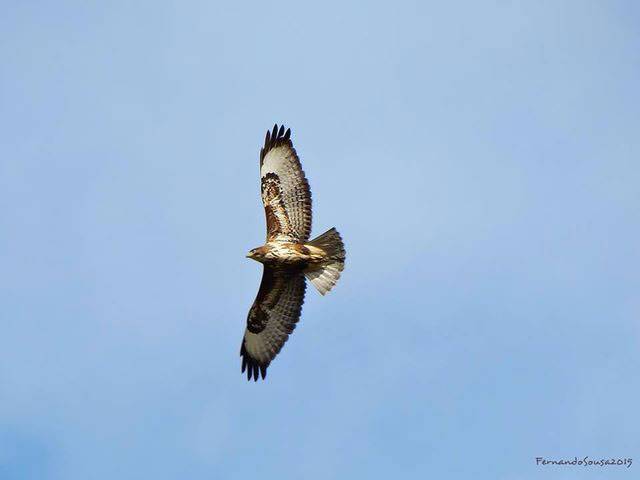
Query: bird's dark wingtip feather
(275, 137)
(254, 368)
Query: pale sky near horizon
(481, 160)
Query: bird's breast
(289, 253)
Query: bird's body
(291, 254)
(288, 255)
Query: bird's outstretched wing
(272, 318)
(285, 191)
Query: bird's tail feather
(325, 274)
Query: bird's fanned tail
(325, 275)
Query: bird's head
(256, 254)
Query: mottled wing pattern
(285, 191)
(272, 318)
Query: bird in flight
(288, 256)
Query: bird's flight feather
(285, 190)
(271, 319)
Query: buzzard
(288, 256)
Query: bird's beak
(249, 255)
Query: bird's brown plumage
(287, 203)
(285, 190)
(272, 317)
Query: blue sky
(479, 158)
